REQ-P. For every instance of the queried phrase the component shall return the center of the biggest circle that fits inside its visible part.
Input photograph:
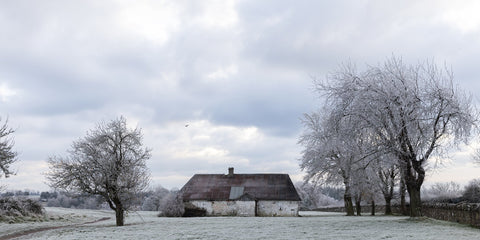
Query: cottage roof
(222, 187)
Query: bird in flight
(186, 125)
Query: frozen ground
(145, 225)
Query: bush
(20, 207)
(172, 205)
(472, 192)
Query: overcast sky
(239, 73)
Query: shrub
(172, 206)
(20, 207)
(472, 191)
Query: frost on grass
(53, 217)
(146, 225)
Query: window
(235, 192)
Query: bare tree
(413, 112)
(334, 152)
(154, 197)
(444, 191)
(313, 196)
(109, 161)
(472, 191)
(476, 156)
(7, 155)
(365, 186)
(321, 158)
(387, 175)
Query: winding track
(36, 230)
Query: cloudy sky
(239, 73)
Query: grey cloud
(75, 63)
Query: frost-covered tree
(313, 196)
(387, 174)
(442, 191)
(152, 202)
(334, 151)
(476, 156)
(110, 161)
(413, 112)
(472, 191)
(7, 155)
(172, 205)
(365, 185)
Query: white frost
(312, 226)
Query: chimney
(230, 171)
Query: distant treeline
(152, 200)
(312, 196)
(19, 193)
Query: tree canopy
(409, 112)
(7, 155)
(109, 161)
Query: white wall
(227, 208)
(277, 208)
(247, 208)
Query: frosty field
(145, 225)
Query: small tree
(172, 205)
(387, 175)
(7, 155)
(472, 191)
(110, 161)
(153, 199)
(335, 151)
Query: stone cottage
(240, 195)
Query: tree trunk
(388, 206)
(347, 198)
(116, 206)
(414, 174)
(415, 201)
(373, 207)
(403, 206)
(358, 201)
(119, 215)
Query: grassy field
(70, 224)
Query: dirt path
(36, 230)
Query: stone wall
(466, 213)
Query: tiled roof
(257, 186)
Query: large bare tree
(413, 113)
(7, 155)
(109, 161)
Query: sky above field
(212, 84)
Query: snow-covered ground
(145, 225)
